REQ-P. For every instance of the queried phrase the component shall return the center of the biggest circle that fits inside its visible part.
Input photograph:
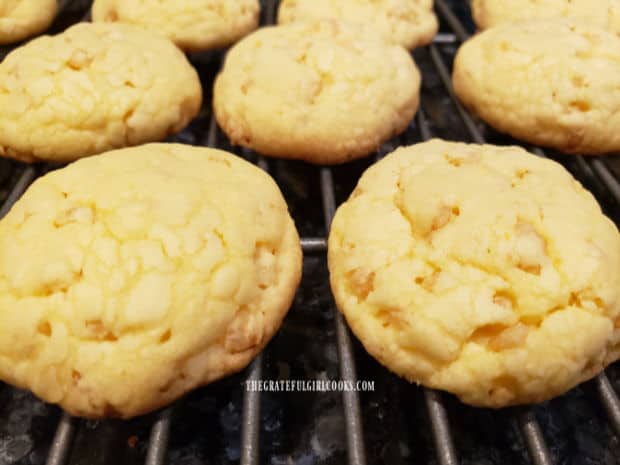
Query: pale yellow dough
(554, 83)
(410, 23)
(129, 278)
(324, 92)
(483, 271)
(93, 88)
(20, 19)
(194, 25)
(601, 13)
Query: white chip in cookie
(554, 83)
(324, 92)
(129, 278)
(193, 25)
(480, 270)
(93, 88)
(600, 13)
(20, 19)
(410, 23)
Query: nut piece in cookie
(20, 19)
(93, 88)
(554, 83)
(194, 25)
(129, 278)
(324, 92)
(484, 271)
(600, 13)
(410, 23)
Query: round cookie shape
(193, 25)
(408, 23)
(20, 19)
(548, 82)
(325, 92)
(93, 88)
(484, 271)
(132, 277)
(600, 13)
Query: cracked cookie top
(93, 88)
(410, 23)
(193, 25)
(550, 82)
(129, 278)
(20, 19)
(484, 271)
(324, 92)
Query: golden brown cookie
(600, 13)
(410, 23)
(132, 277)
(484, 271)
(324, 92)
(20, 19)
(93, 88)
(554, 83)
(193, 25)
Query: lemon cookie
(192, 24)
(554, 83)
(484, 271)
(93, 88)
(406, 22)
(601, 13)
(20, 19)
(322, 92)
(129, 278)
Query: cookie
(194, 25)
(601, 13)
(93, 88)
(20, 19)
(406, 22)
(132, 277)
(553, 83)
(484, 271)
(325, 92)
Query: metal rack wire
(437, 413)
